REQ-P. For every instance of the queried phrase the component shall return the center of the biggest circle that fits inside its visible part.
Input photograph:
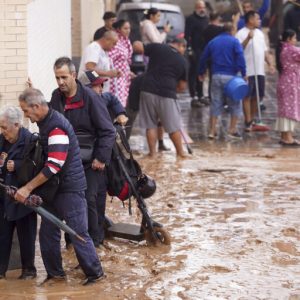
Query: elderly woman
(13, 140)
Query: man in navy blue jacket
(227, 59)
(90, 120)
(62, 153)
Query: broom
(259, 125)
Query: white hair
(12, 114)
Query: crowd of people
(85, 105)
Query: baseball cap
(91, 78)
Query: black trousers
(96, 200)
(195, 86)
(26, 231)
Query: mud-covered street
(232, 210)
(233, 215)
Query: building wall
(76, 28)
(13, 49)
(49, 37)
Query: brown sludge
(235, 235)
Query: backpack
(32, 163)
(123, 172)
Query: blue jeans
(218, 98)
(71, 207)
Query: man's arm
(113, 104)
(246, 41)
(91, 66)
(58, 145)
(203, 62)
(188, 31)
(240, 58)
(263, 9)
(105, 131)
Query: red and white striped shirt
(58, 145)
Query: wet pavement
(232, 210)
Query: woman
(13, 140)
(149, 31)
(288, 87)
(121, 59)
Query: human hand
(98, 165)
(272, 69)
(10, 166)
(250, 34)
(132, 75)
(29, 82)
(22, 193)
(167, 28)
(122, 119)
(235, 18)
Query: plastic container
(236, 88)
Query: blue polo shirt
(226, 55)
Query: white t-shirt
(260, 47)
(94, 53)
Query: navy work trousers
(96, 200)
(71, 207)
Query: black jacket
(90, 116)
(194, 27)
(12, 209)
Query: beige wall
(76, 27)
(13, 49)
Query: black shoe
(26, 275)
(204, 100)
(94, 279)
(196, 103)
(2, 276)
(52, 279)
(162, 146)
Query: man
(256, 53)
(165, 75)
(109, 19)
(194, 27)
(227, 59)
(95, 132)
(248, 6)
(95, 58)
(63, 157)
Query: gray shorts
(154, 108)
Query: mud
(233, 214)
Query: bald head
(108, 40)
(200, 8)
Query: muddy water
(233, 214)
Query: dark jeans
(195, 86)
(26, 231)
(71, 207)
